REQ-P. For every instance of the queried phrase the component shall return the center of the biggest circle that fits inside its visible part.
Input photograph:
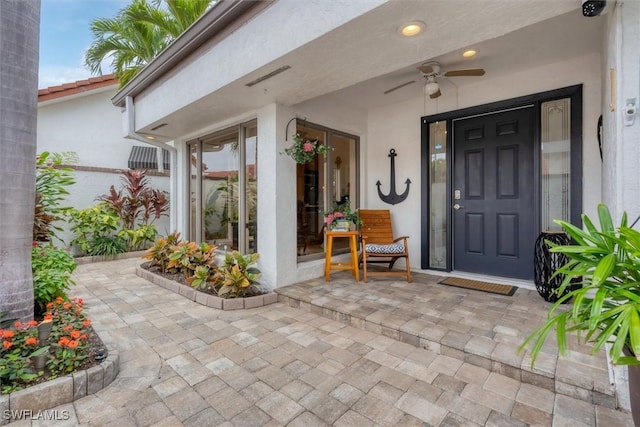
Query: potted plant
(605, 268)
(341, 217)
(304, 150)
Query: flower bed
(175, 283)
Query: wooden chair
(379, 245)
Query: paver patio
(187, 364)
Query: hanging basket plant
(305, 150)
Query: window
(555, 163)
(223, 188)
(438, 195)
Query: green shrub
(52, 268)
(96, 230)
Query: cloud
(55, 75)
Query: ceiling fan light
(431, 87)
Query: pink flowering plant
(305, 150)
(341, 212)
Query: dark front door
(494, 209)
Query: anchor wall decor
(392, 198)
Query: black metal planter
(545, 263)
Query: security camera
(593, 7)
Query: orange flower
(86, 322)
(68, 328)
(59, 300)
(67, 305)
(63, 341)
(83, 337)
(73, 344)
(48, 316)
(17, 324)
(7, 344)
(50, 304)
(31, 341)
(75, 334)
(7, 334)
(32, 323)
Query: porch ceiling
(357, 62)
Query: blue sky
(65, 36)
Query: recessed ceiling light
(412, 28)
(469, 53)
(151, 137)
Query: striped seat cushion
(393, 248)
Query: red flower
(31, 341)
(17, 324)
(86, 322)
(7, 344)
(7, 334)
(32, 323)
(63, 341)
(73, 344)
(75, 334)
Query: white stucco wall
(91, 126)
(621, 146)
(398, 126)
(621, 141)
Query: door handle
(457, 206)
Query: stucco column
(277, 230)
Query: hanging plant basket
(305, 150)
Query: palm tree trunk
(19, 44)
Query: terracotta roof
(79, 86)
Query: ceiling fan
(431, 72)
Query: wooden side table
(353, 246)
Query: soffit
(358, 61)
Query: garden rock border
(207, 299)
(32, 401)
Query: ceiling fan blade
(398, 87)
(435, 95)
(469, 72)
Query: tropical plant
(237, 275)
(186, 257)
(161, 250)
(605, 265)
(304, 150)
(202, 278)
(135, 202)
(52, 268)
(138, 33)
(52, 181)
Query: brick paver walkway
(186, 364)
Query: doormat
(477, 285)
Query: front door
(494, 211)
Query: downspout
(173, 184)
